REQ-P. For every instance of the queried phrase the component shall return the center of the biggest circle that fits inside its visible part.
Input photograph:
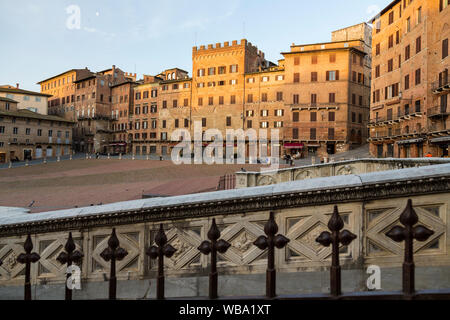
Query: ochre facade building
(410, 84)
(316, 97)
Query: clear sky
(42, 38)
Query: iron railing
(335, 237)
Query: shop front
(410, 148)
(442, 143)
(294, 149)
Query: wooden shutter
(337, 74)
(328, 76)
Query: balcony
(438, 111)
(441, 86)
(314, 106)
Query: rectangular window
(234, 68)
(391, 17)
(313, 99)
(164, 105)
(390, 65)
(296, 77)
(397, 37)
(264, 97)
(175, 103)
(250, 98)
(407, 52)
(418, 44)
(295, 133)
(249, 124)
(331, 116)
(210, 101)
(377, 71)
(312, 134)
(186, 123)
(418, 80)
(203, 122)
(176, 123)
(295, 99)
(228, 121)
(233, 99)
(407, 82)
(313, 117)
(200, 101)
(332, 75)
(296, 61)
(313, 76)
(391, 41)
(186, 102)
(332, 98)
(221, 100)
(444, 48)
(332, 58)
(295, 117)
(279, 96)
(330, 133)
(314, 60)
(222, 70)
(211, 71)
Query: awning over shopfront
(410, 141)
(294, 145)
(440, 140)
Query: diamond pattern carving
(303, 234)
(377, 243)
(128, 241)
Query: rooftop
(24, 113)
(7, 100)
(58, 75)
(11, 89)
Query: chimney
(17, 86)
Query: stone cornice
(385, 190)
